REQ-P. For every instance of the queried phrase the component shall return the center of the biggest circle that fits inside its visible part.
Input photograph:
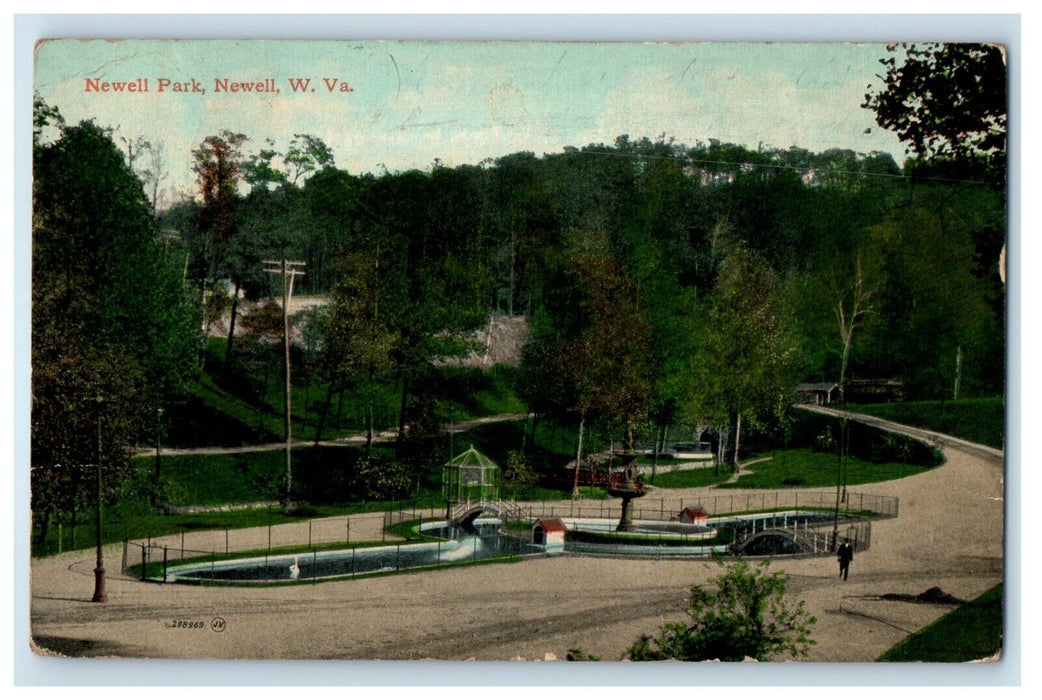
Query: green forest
(666, 286)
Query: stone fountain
(627, 485)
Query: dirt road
(949, 534)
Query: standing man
(845, 555)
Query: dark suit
(845, 554)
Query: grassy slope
(971, 632)
(977, 420)
(805, 468)
(227, 409)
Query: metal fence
(145, 556)
(319, 532)
(668, 509)
(808, 541)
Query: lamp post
(155, 479)
(839, 472)
(845, 447)
(99, 569)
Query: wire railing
(779, 512)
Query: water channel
(486, 541)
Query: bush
(518, 472)
(378, 479)
(747, 616)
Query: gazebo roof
(471, 458)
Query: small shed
(695, 515)
(820, 394)
(549, 533)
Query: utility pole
(289, 269)
(840, 480)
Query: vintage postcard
(518, 351)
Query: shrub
(746, 616)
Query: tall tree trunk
(339, 405)
(723, 436)
(535, 423)
(737, 439)
(578, 454)
(958, 372)
(369, 431)
(231, 325)
(403, 407)
(324, 411)
(513, 262)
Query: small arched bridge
(466, 512)
(773, 541)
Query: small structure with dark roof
(695, 515)
(549, 533)
(820, 394)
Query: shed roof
(817, 386)
(550, 525)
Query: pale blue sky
(461, 102)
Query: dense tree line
(664, 283)
(867, 270)
(113, 333)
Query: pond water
(458, 546)
(484, 541)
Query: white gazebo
(470, 477)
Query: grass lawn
(792, 468)
(805, 468)
(207, 480)
(688, 478)
(134, 520)
(977, 420)
(242, 406)
(971, 632)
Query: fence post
(182, 544)
(309, 534)
(144, 563)
(123, 568)
(164, 563)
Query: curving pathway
(949, 534)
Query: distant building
(874, 391)
(820, 394)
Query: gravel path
(949, 534)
